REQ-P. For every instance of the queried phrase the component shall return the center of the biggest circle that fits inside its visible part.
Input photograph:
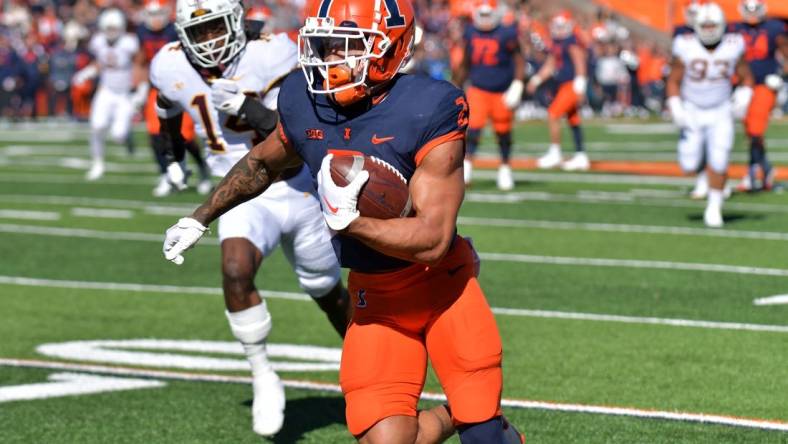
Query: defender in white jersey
(115, 100)
(699, 93)
(228, 83)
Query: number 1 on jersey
(201, 104)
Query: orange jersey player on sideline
(764, 38)
(566, 64)
(156, 31)
(413, 279)
(495, 66)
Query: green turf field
(623, 319)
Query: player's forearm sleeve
(262, 119)
(174, 145)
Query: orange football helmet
(486, 15)
(356, 46)
(156, 14)
(752, 11)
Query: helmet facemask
(752, 11)
(213, 38)
(341, 55)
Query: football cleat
(712, 217)
(467, 171)
(95, 172)
(768, 180)
(745, 186)
(163, 188)
(505, 182)
(701, 189)
(551, 159)
(204, 187)
(268, 407)
(578, 162)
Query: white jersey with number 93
(256, 69)
(707, 72)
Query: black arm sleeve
(262, 119)
(174, 145)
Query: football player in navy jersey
(764, 39)
(567, 66)
(412, 280)
(495, 67)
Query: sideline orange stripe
(735, 171)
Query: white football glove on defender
(176, 176)
(774, 82)
(340, 204)
(677, 111)
(180, 237)
(513, 94)
(579, 86)
(226, 96)
(741, 101)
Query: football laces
(389, 167)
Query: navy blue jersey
(491, 55)
(681, 30)
(152, 41)
(418, 114)
(564, 67)
(761, 42)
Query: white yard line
(102, 213)
(175, 289)
(502, 257)
(620, 228)
(94, 202)
(29, 215)
(703, 418)
(32, 177)
(781, 299)
(633, 263)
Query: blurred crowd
(43, 43)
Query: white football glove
(226, 96)
(180, 237)
(677, 111)
(513, 94)
(741, 101)
(340, 204)
(176, 176)
(579, 85)
(140, 96)
(774, 82)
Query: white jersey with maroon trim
(256, 69)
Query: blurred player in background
(764, 39)
(496, 67)
(114, 102)
(566, 64)
(229, 82)
(699, 97)
(155, 32)
(690, 12)
(413, 279)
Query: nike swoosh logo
(453, 271)
(378, 141)
(332, 209)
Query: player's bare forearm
(782, 47)
(578, 56)
(461, 73)
(744, 73)
(519, 66)
(247, 179)
(673, 84)
(437, 189)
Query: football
(384, 196)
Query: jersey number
(757, 47)
(201, 104)
(462, 116)
(699, 70)
(485, 51)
